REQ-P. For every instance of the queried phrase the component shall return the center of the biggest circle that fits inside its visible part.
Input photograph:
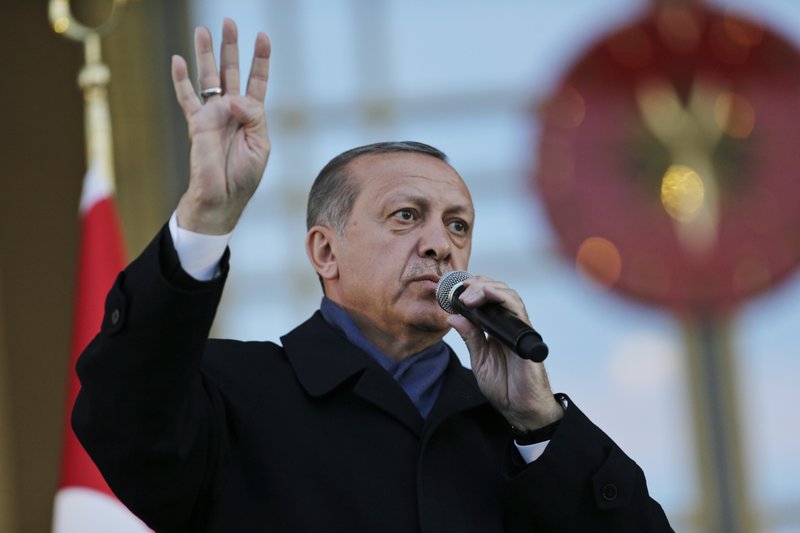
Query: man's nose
(435, 241)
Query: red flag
(84, 503)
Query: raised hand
(518, 388)
(228, 131)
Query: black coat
(218, 435)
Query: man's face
(411, 223)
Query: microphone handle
(501, 324)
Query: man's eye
(459, 226)
(405, 214)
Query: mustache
(424, 268)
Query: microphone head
(447, 285)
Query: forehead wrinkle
(405, 197)
(414, 193)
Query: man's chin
(426, 314)
(432, 321)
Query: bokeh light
(682, 192)
(745, 32)
(644, 360)
(600, 260)
(734, 115)
(61, 24)
(567, 109)
(679, 28)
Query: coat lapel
(459, 393)
(324, 360)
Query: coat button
(610, 492)
(115, 317)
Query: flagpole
(93, 80)
(84, 502)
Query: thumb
(246, 112)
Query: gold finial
(93, 80)
(64, 22)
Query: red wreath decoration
(669, 159)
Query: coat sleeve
(582, 482)
(144, 412)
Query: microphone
(492, 318)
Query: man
(363, 420)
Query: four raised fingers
(228, 77)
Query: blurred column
(373, 60)
(714, 385)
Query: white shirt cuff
(199, 254)
(531, 452)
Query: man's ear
(320, 244)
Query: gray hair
(333, 193)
